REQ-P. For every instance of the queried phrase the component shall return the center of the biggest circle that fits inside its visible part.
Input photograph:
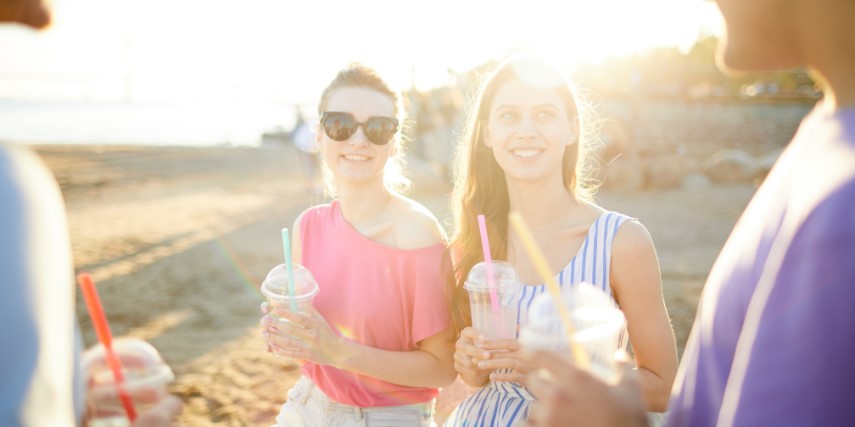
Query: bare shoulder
(299, 219)
(635, 266)
(415, 225)
(632, 236)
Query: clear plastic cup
(145, 380)
(499, 322)
(275, 288)
(599, 327)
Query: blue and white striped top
(501, 404)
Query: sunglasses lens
(339, 126)
(380, 130)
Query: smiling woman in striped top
(524, 151)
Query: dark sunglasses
(341, 126)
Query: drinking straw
(488, 262)
(289, 266)
(542, 267)
(102, 329)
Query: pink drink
(500, 320)
(146, 378)
(495, 324)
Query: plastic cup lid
(503, 274)
(591, 311)
(141, 363)
(275, 285)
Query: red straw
(102, 329)
(488, 261)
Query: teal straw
(286, 241)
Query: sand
(179, 239)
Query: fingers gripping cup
(599, 327)
(500, 320)
(145, 379)
(276, 288)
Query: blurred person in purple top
(772, 343)
(379, 343)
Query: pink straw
(488, 261)
(102, 329)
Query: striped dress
(501, 404)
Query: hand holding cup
(283, 300)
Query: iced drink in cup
(145, 379)
(276, 288)
(500, 320)
(599, 327)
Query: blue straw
(286, 241)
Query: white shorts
(307, 406)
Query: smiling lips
(525, 153)
(355, 157)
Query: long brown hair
(357, 75)
(479, 181)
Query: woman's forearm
(655, 390)
(417, 368)
(475, 380)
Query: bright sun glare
(287, 50)
(202, 71)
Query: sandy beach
(179, 239)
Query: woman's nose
(527, 127)
(358, 137)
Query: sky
(287, 50)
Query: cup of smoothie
(497, 319)
(145, 374)
(599, 327)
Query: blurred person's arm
(38, 326)
(637, 285)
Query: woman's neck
(541, 203)
(363, 203)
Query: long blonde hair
(479, 181)
(357, 75)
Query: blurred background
(195, 72)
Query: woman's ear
(487, 141)
(317, 129)
(574, 132)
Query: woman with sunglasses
(380, 342)
(525, 151)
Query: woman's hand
(467, 355)
(505, 354)
(160, 415)
(305, 337)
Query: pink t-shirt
(373, 295)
